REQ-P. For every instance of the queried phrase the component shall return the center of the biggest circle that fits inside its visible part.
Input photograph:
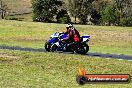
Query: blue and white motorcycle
(55, 44)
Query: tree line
(101, 12)
(97, 12)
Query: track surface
(127, 57)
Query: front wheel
(82, 49)
(54, 48)
(47, 46)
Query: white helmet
(69, 25)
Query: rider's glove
(61, 33)
(61, 39)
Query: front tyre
(47, 46)
(54, 48)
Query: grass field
(22, 17)
(21, 69)
(104, 39)
(57, 70)
(50, 70)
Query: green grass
(50, 70)
(35, 69)
(104, 39)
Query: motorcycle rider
(69, 38)
(73, 36)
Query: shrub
(83, 19)
(63, 17)
(108, 15)
(126, 22)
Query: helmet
(69, 25)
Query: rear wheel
(47, 46)
(82, 49)
(86, 48)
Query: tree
(100, 4)
(123, 12)
(72, 7)
(85, 7)
(45, 10)
(95, 17)
(118, 13)
(127, 13)
(80, 9)
(108, 15)
(63, 17)
(118, 5)
(3, 9)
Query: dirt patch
(7, 58)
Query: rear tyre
(86, 48)
(82, 49)
(47, 46)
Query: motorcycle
(55, 44)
